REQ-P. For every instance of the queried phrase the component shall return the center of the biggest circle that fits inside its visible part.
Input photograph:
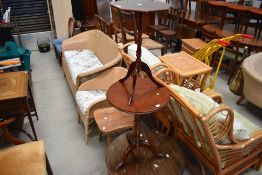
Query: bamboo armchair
(170, 76)
(211, 137)
(103, 47)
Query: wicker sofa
(87, 55)
(221, 139)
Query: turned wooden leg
(240, 99)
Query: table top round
(142, 161)
(148, 97)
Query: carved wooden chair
(221, 139)
(170, 33)
(164, 19)
(127, 18)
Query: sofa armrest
(94, 73)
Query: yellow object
(207, 51)
(9, 62)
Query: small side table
(192, 72)
(148, 98)
(110, 120)
(16, 96)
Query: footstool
(110, 120)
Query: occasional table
(16, 96)
(188, 68)
(148, 8)
(142, 162)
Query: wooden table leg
(27, 108)
(135, 142)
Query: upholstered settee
(252, 73)
(87, 55)
(221, 139)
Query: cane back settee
(87, 55)
(221, 139)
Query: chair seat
(24, 159)
(81, 61)
(158, 27)
(86, 99)
(130, 37)
(167, 32)
(151, 44)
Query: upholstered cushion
(81, 61)
(147, 57)
(242, 127)
(25, 159)
(86, 99)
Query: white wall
(62, 10)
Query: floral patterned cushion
(147, 57)
(86, 99)
(80, 61)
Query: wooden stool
(110, 120)
(192, 45)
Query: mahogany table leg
(135, 142)
(30, 120)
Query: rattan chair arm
(254, 139)
(166, 76)
(217, 110)
(225, 127)
(152, 68)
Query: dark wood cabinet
(90, 7)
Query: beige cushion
(25, 159)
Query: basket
(43, 45)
